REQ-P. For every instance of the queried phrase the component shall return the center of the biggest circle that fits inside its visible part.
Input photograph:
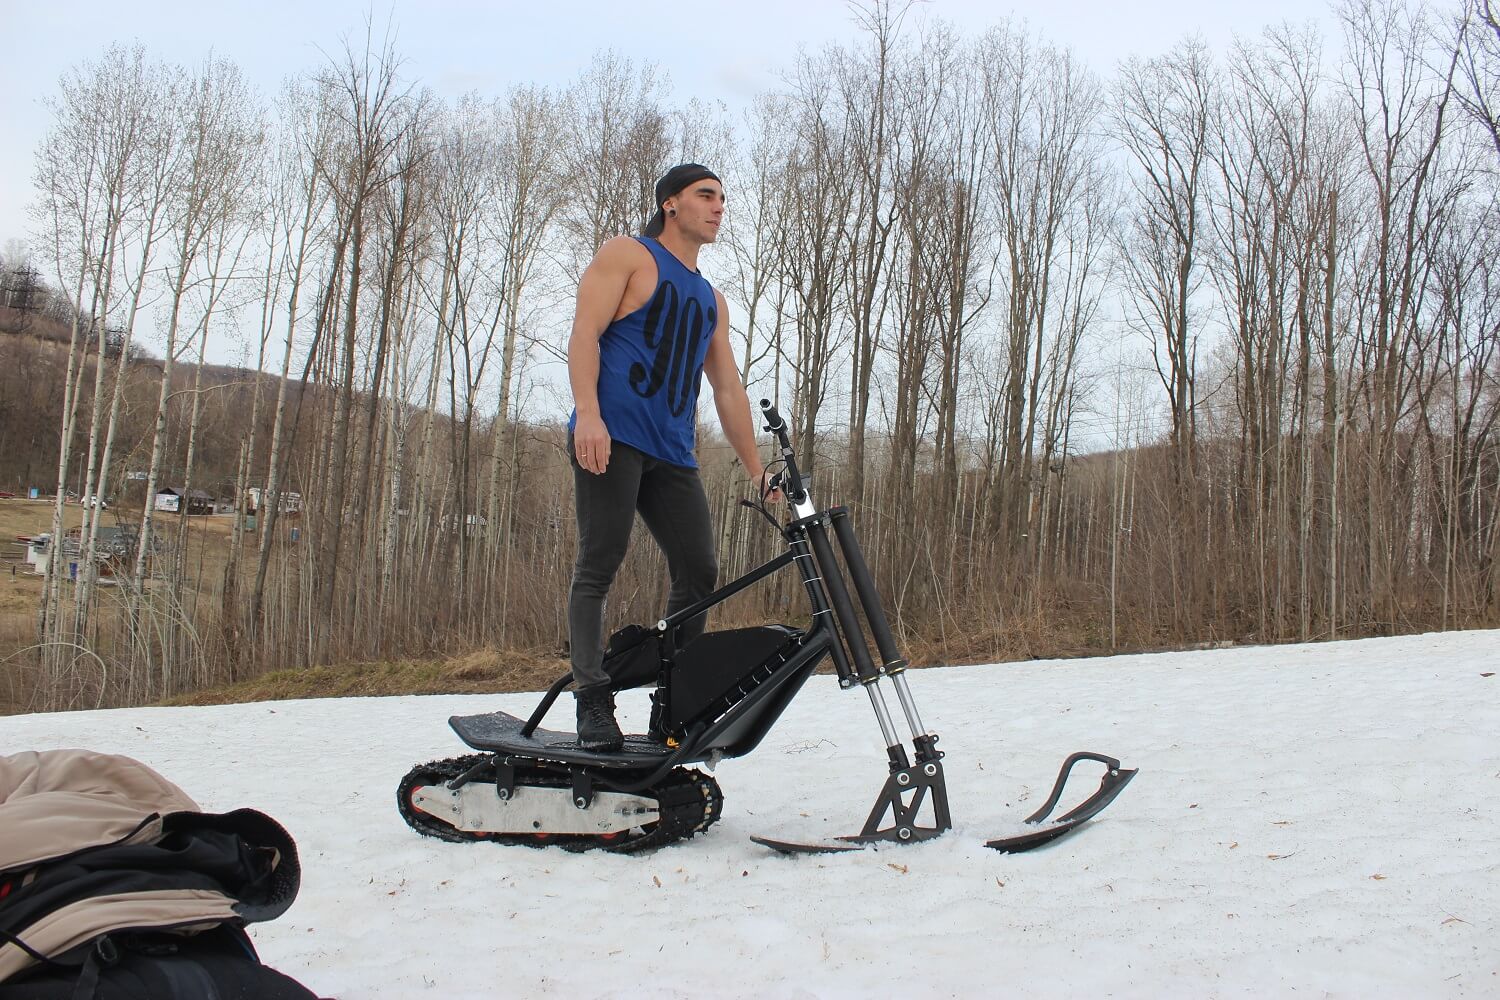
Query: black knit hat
(673, 181)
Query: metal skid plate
(477, 807)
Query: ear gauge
(672, 213)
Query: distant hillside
(33, 376)
(36, 325)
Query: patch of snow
(1309, 820)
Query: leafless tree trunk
(153, 179)
(1163, 115)
(296, 200)
(221, 135)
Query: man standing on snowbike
(647, 326)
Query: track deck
(688, 802)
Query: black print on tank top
(674, 328)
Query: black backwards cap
(673, 181)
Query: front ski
(1114, 781)
(793, 847)
(897, 816)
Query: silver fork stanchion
(869, 675)
(894, 664)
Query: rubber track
(688, 801)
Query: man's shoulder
(622, 251)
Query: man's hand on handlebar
(770, 486)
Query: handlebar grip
(774, 423)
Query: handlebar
(774, 423)
(790, 480)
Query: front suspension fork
(909, 783)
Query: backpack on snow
(114, 885)
(217, 964)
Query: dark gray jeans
(671, 501)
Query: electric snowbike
(714, 698)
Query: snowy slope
(1319, 820)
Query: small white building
(288, 501)
(174, 501)
(39, 553)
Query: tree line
(1202, 349)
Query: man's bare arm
(600, 291)
(731, 400)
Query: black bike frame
(833, 617)
(834, 631)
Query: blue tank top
(651, 363)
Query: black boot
(596, 720)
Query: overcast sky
(724, 51)
(712, 51)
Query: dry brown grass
(1054, 629)
(482, 671)
(1048, 633)
(21, 589)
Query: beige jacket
(59, 803)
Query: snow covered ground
(1318, 820)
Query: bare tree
(529, 194)
(1041, 112)
(814, 256)
(755, 228)
(865, 82)
(372, 110)
(151, 180)
(222, 130)
(616, 142)
(1163, 113)
(1477, 44)
(1399, 108)
(296, 198)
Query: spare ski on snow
(1114, 781)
